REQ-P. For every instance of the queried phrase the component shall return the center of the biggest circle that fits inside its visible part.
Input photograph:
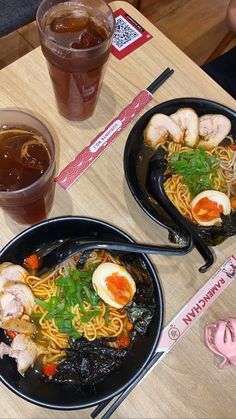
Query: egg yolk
(120, 288)
(207, 210)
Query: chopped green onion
(48, 305)
(197, 168)
(89, 314)
(75, 287)
(75, 275)
(36, 315)
(75, 334)
(53, 302)
(59, 322)
(88, 295)
(79, 299)
(66, 330)
(68, 315)
(67, 323)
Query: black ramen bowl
(136, 161)
(68, 395)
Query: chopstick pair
(98, 145)
(152, 363)
(172, 333)
(160, 80)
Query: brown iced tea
(24, 159)
(76, 41)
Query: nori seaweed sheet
(87, 362)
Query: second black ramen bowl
(136, 163)
(69, 395)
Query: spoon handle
(166, 250)
(73, 247)
(156, 172)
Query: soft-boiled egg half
(207, 207)
(114, 285)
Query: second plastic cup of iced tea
(27, 167)
(76, 38)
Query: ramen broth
(86, 338)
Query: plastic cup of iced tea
(27, 167)
(76, 38)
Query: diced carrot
(129, 326)
(123, 341)
(32, 261)
(11, 334)
(49, 369)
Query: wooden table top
(187, 383)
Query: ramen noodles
(69, 310)
(200, 151)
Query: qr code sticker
(125, 34)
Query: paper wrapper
(197, 305)
(89, 154)
(191, 312)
